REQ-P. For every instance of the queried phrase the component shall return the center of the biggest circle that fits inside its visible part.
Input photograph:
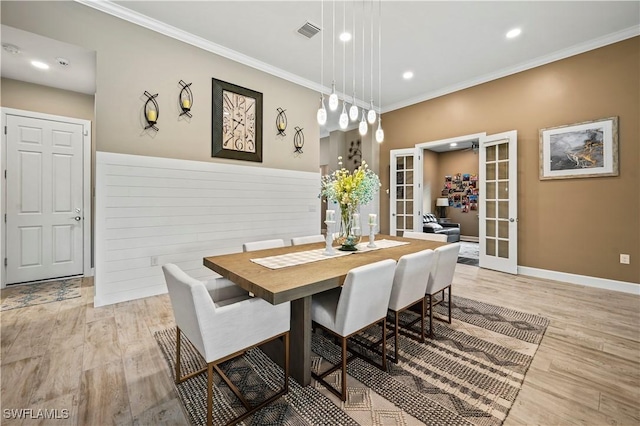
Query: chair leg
(430, 317)
(422, 321)
(177, 380)
(384, 342)
(344, 369)
(396, 337)
(210, 394)
(449, 304)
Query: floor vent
(309, 30)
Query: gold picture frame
(580, 150)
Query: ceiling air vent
(309, 30)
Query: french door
(499, 212)
(404, 210)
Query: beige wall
(430, 182)
(48, 100)
(451, 163)
(565, 225)
(131, 59)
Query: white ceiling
(78, 76)
(448, 45)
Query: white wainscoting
(151, 211)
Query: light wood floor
(104, 366)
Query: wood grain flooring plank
(149, 385)
(103, 396)
(101, 343)
(59, 374)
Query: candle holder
(151, 111)
(298, 141)
(185, 99)
(329, 250)
(372, 237)
(281, 122)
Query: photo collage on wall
(462, 191)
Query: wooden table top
(295, 282)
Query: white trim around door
(86, 177)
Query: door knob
(77, 218)
(511, 219)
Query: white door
(44, 199)
(404, 212)
(499, 211)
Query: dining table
(298, 283)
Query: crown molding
(136, 18)
(542, 60)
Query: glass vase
(350, 230)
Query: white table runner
(302, 257)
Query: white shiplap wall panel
(179, 211)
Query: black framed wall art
(236, 122)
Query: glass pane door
(401, 202)
(498, 218)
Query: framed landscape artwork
(588, 149)
(236, 122)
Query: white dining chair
(361, 302)
(296, 241)
(425, 236)
(409, 287)
(224, 329)
(441, 277)
(262, 245)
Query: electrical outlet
(624, 258)
(154, 260)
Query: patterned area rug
(468, 374)
(37, 294)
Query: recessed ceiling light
(345, 36)
(407, 75)
(40, 65)
(453, 144)
(514, 33)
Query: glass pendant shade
(344, 119)
(353, 111)
(333, 99)
(363, 125)
(379, 132)
(322, 113)
(371, 116)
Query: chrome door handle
(512, 219)
(77, 218)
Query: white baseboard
(125, 296)
(604, 283)
(469, 238)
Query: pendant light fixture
(343, 122)
(371, 115)
(353, 111)
(333, 98)
(321, 115)
(362, 128)
(379, 132)
(350, 110)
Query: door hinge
(86, 133)
(5, 130)
(5, 218)
(5, 261)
